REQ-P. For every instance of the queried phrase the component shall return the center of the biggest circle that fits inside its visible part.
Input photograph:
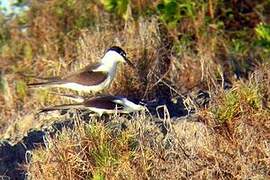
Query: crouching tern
(94, 77)
(100, 105)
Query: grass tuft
(96, 152)
(241, 99)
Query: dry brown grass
(227, 140)
(200, 148)
(196, 147)
(142, 47)
(95, 151)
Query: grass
(93, 151)
(228, 140)
(208, 45)
(200, 148)
(239, 100)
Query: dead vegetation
(209, 47)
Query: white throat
(109, 61)
(111, 57)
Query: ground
(202, 70)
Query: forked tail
(61, 107)
(44, 84)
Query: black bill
(130, 63)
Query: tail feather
(61, 107)
(76, 98)
(53, 78)
(44, 84)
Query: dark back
(105, 102)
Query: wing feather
(87, 76)
(105, 102)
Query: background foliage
(180, 47)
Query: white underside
(114, 111)
(128, 105)
(79, 87)
(105, 111)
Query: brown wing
(105, 102)
(87, 76)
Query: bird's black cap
(118, 50)
(122, 53)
